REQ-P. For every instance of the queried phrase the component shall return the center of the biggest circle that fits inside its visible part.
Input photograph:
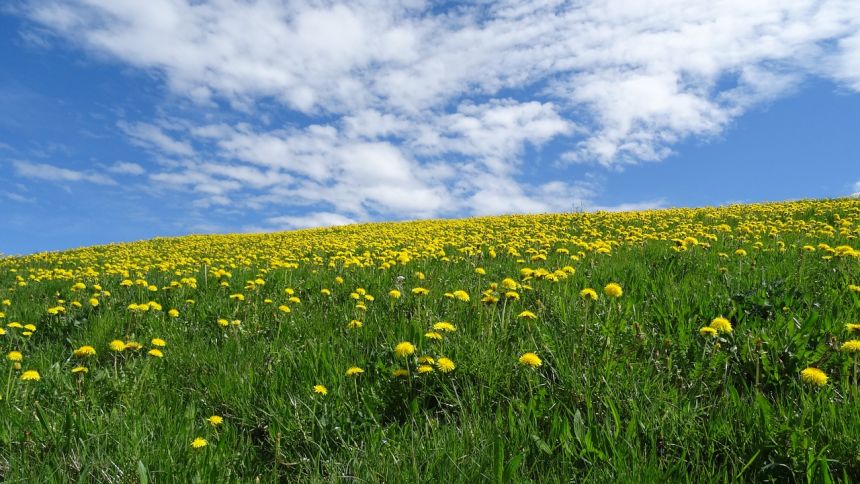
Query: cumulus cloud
(43, 171)
(418, 109)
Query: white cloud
(857, 189)
(151, 136)
(317, 219)
(415, 111)
(126, 168)
(43, 171)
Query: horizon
(406, 221)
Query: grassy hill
(689, 344)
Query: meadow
(704, 345)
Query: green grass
(628, 390)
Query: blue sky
(126, 120)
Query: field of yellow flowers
(686, 344)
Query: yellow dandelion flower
(400, 372)
(80, 369)
(427, 360)
(852, 327)
(530, 359)
(156, 353)
(31, 375)
(444, 326)
(394, 294)
(354, 324)
(173, 313)
(215, 420)
(433, 335)
(420, 291)
(199, 442)
(613, 290)
(14, 356)
(741, 252)
(527, 315)
(321, 390)
(721, 324)
(133, 345)
(461, 295)
(353, 371)
(158, 342)
(223, 323)
(814, 376)
(84, 351)
(425, 369)
(117, 345)
(404, 348)
(588, 293)
(707, 331)
(851, 346)
(445, 365)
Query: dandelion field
(688, 344)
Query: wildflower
(173, 313)
(509, 283)
(445, 365)
(707, 331)
(461, 295)
(215, 420)
(613, 290)
(531, 360)
(404, 348)
(354, 324)
(512, 295)
(117, 345)
(480, 271)
(854, 288)
(199, 442)
(852, 327)
(338, 280)
(156, 353)
(420, 291)
(237, 297)
(851, 346)
(425, 369)
(400, 372)
(94, 302)
(394, 294)
(321, 390)
(741, 252)
(721, 324)
(31, 375)
(527, 315)
(80, 369)
(14, 356)
(588, 293)
(814, 376)
(30, 327)
(433, 335)
(352, 371)
(84, 351)
(284, 308)
(325, 292)
(444, 326)
(158, 342)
